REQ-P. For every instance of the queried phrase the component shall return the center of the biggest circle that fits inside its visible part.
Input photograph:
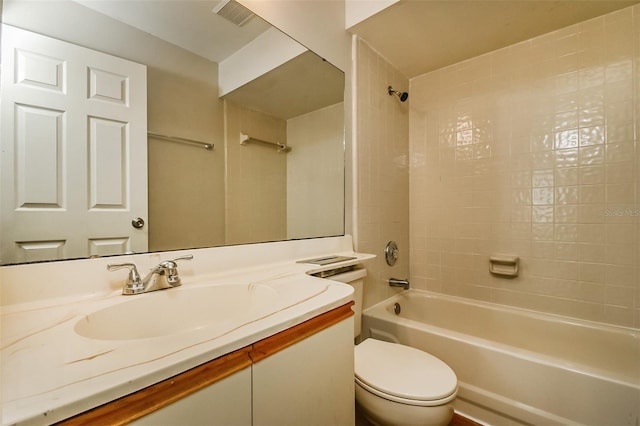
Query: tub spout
(395, 282)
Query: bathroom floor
(457, 420)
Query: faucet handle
(134, 282)
(171, 270)
(172, 263)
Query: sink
(220, 308)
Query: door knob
(137, 223)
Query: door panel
(40, 71)
(38, 251)
(108, 159)
(39, 158)
(108, 246)
(107, 86)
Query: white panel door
(74, 150)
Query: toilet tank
(355, 279)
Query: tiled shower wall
(382, 170)
(532, 150)
(315, 173)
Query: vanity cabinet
(310, 382)
(302, 375)
(226, 402)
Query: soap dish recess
(504, 265)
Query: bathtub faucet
(395, 282)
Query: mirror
(272, 109)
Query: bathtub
(516, 366)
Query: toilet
(397, 384)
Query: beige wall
(382, 165)
(186, 182)
(532, 150)
(256, 180)
(315, 173)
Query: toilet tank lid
(403, 371)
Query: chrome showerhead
(403, 96)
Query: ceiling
(418, 36)
(304, 84)
(189, 24)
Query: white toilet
(398, 384)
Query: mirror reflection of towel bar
(205, 145)
(245, 139)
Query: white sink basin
(221, 308)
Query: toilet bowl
(401, 385)
(397, 384)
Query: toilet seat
(403, 374)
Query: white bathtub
(517, 366)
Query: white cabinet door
(224, 403)
(73, 161)
(309, 383)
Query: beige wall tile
(383, 174)
(531, 149)
(315, 173)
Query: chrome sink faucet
(163, 276)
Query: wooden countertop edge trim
(145, 401)
(273, 344)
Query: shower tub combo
(517, 366)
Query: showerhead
(403, 96)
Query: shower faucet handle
(391, 253)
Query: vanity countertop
(50, 372)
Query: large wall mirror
(134, 126)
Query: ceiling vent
(233, 11)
